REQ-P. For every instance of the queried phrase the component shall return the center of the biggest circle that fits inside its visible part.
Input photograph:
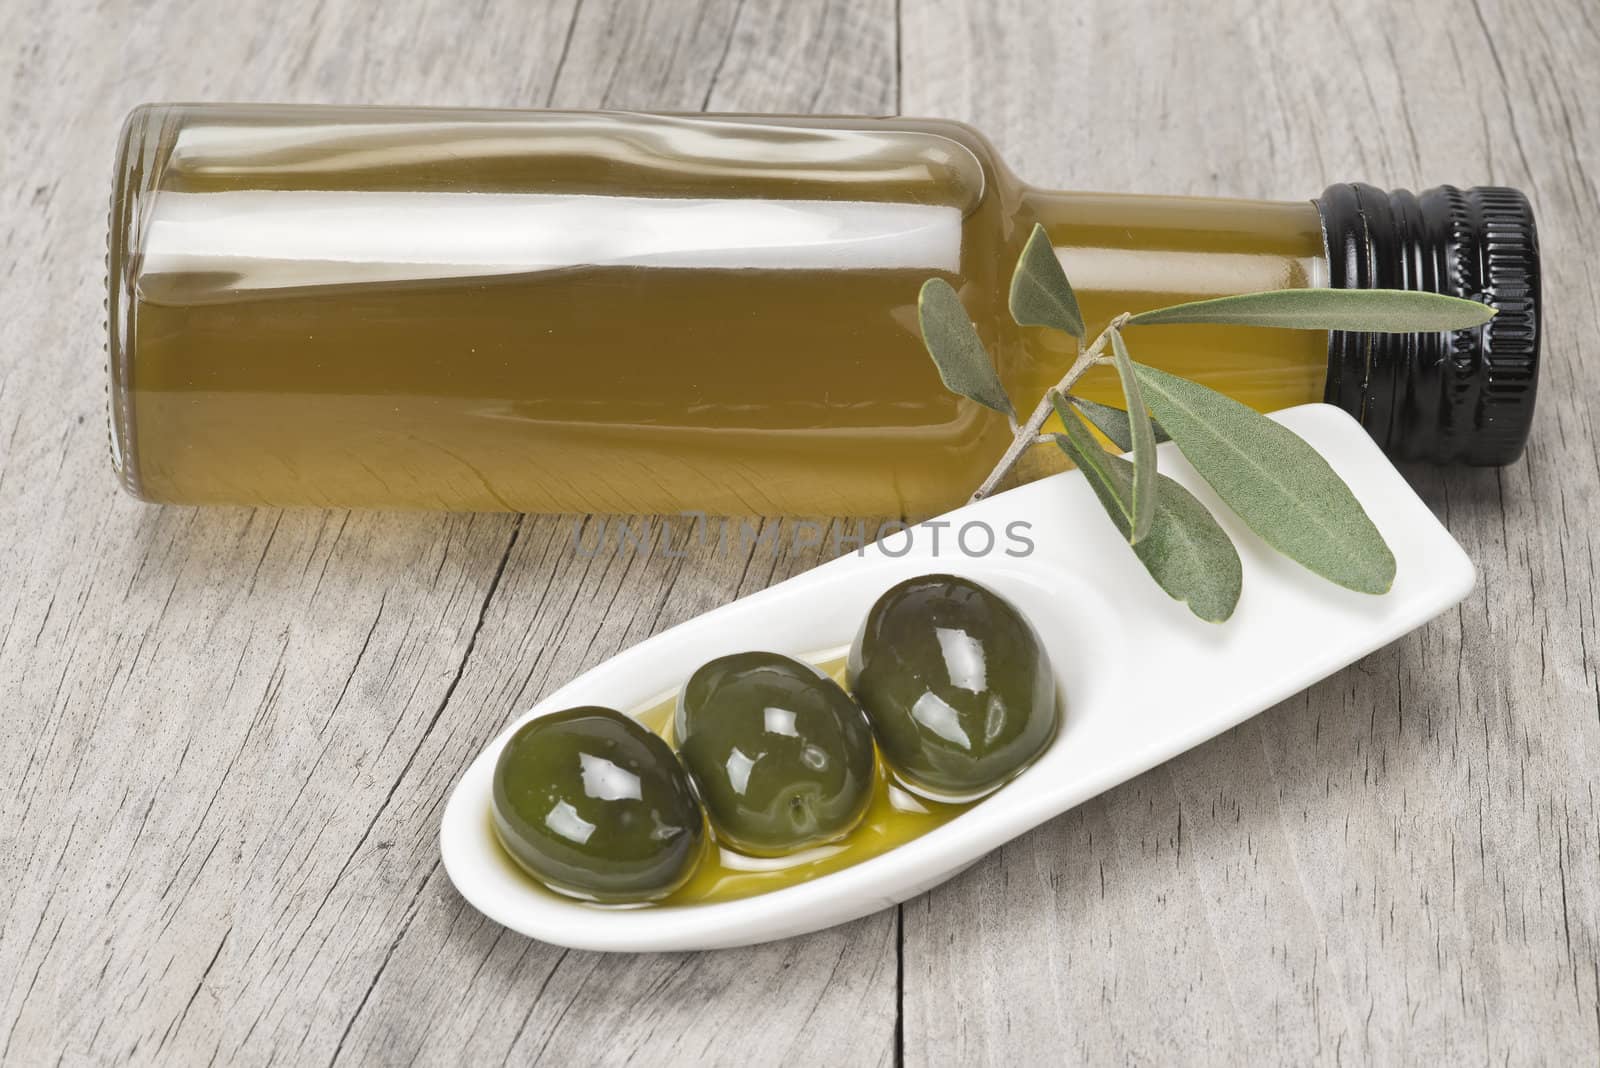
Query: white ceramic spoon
(1142, 680)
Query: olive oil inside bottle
(620, 313)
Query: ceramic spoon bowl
(1141, 678)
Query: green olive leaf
(953, 342)
(1144, 442)
(1113, 423)
(1040, 292)
(1186, 552)
(1114, 490)
(1393, 311)
(1280, 486)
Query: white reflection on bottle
(271, 238)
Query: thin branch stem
(1027, 435)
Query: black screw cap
(1465, 396)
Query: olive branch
(1280, 487)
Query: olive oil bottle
(611, 312)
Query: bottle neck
(1129, 253)
(1464, 396)
(1158, 250)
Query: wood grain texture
(230, 732)
(1404, 863)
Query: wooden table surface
(229, 733)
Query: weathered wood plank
(230, 733)
(1402, 863)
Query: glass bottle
(616, 312)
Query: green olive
(593, 805)
(780, 754)
(957, 687)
